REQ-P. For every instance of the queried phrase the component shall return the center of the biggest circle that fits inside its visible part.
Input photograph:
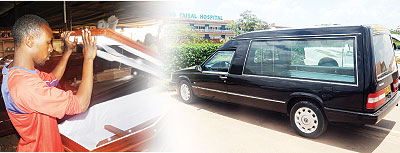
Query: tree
(179, 33)
(235, 26)
(396, 42)
(394, 32)
(248, 22)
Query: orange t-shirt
(33, 103)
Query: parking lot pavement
(209, 126)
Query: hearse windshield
(385, 62)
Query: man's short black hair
(27, 25)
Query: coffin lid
(113, 46)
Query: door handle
(223, 77)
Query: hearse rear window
(383, 50)
(328, 59)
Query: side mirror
(398, 47)
(198, 68)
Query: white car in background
(397, 48)
(397, 55)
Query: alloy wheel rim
(185, 92)
(306, 120)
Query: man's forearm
(85, 88)
(89, 53)
(59, 70)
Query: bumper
(173, 85)
(337, 115)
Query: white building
(207, 26)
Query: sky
(301, 13)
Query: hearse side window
(220, 62)
(330, 59)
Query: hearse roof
(314, 31)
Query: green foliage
(297, 57)
(394, 32)
(180, 47)
(179, 33)
(235, 26)
(394, 40)
(248, 22)
(397, 43)
(188, 54)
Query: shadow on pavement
(358, 138)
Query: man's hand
(89, 53)
(68, 45)
(89, 45)
(59, 70)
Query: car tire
(185, 92)
(308, 120)
(327, 61)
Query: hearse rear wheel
(186, 92)
(308, 120)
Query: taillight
(376, 99)
(395, 85)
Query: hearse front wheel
(185, 92)
(308, 120)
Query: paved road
(209, 126)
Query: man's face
(43, 46)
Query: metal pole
(65, 16)
(15, 11)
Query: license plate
(388, 90)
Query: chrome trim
(214, 72)
(242, 95)
(380, 79)
(247, 53)
(355, 57)
(305, 79)
(349, 112)
(307, 36)
(309, 27)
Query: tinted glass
(329, 59)
(220, 62)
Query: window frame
(330, 36)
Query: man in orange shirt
(32, 101)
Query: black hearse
(315, 75)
